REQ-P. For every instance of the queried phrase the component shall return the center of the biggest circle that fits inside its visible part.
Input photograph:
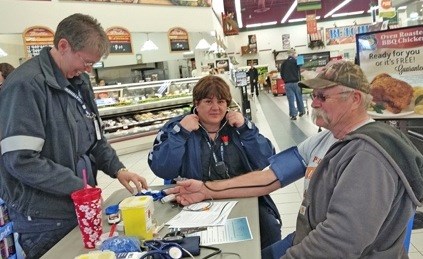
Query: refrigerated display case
(132, 114)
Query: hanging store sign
(178, 39)
(35, 38)
(305, 5)
(120, 40)
(386, 10)
(344, 34)
(230, 26)
(311, 23)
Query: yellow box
(137, 215)
(98, 255)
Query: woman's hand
(235, 119)
(190, 122)
(125, 177)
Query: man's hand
(235, 119)
(190, 122)
(189, 192)
(125, 177)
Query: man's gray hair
(83, 32)
(367, 98)
(291, 52)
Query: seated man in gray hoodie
(359, 199)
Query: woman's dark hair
(211, 86)
(6, 69)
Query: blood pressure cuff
(288, 166)
(192, 245)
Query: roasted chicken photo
(390, 93)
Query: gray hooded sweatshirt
(360, 197)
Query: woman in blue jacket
(213, 143)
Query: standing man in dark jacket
(253, 73)
(290, 73)
(53, 134)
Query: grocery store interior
(272, 118)
(275, 27)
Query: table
(71, 245)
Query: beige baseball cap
(343, 73)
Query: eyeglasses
(86, 64)
(323, 97)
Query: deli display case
(132, 114)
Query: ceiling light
(344, 3)
(149, 45)
(402, 7)
(414, 16)
(238, 13)
(347, 14)
(291, 9)
(213, 47)
(261, 24)
(203, 44)
(2, 53)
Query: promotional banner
(399, 54)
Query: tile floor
(271, 116)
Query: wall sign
(344, 34)
(35, 38)
(252, 43)
(252, 61)
(178, 39)
(120, 40)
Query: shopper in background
(214, 143)
(358, 201)
(5, 70)
(290, 73)
(101, 82)
(53, 134)
(253, 74)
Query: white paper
(235, 230)
(216, 215)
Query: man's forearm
(253, 184)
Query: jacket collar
(53, 76)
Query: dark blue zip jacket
(177, 152)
